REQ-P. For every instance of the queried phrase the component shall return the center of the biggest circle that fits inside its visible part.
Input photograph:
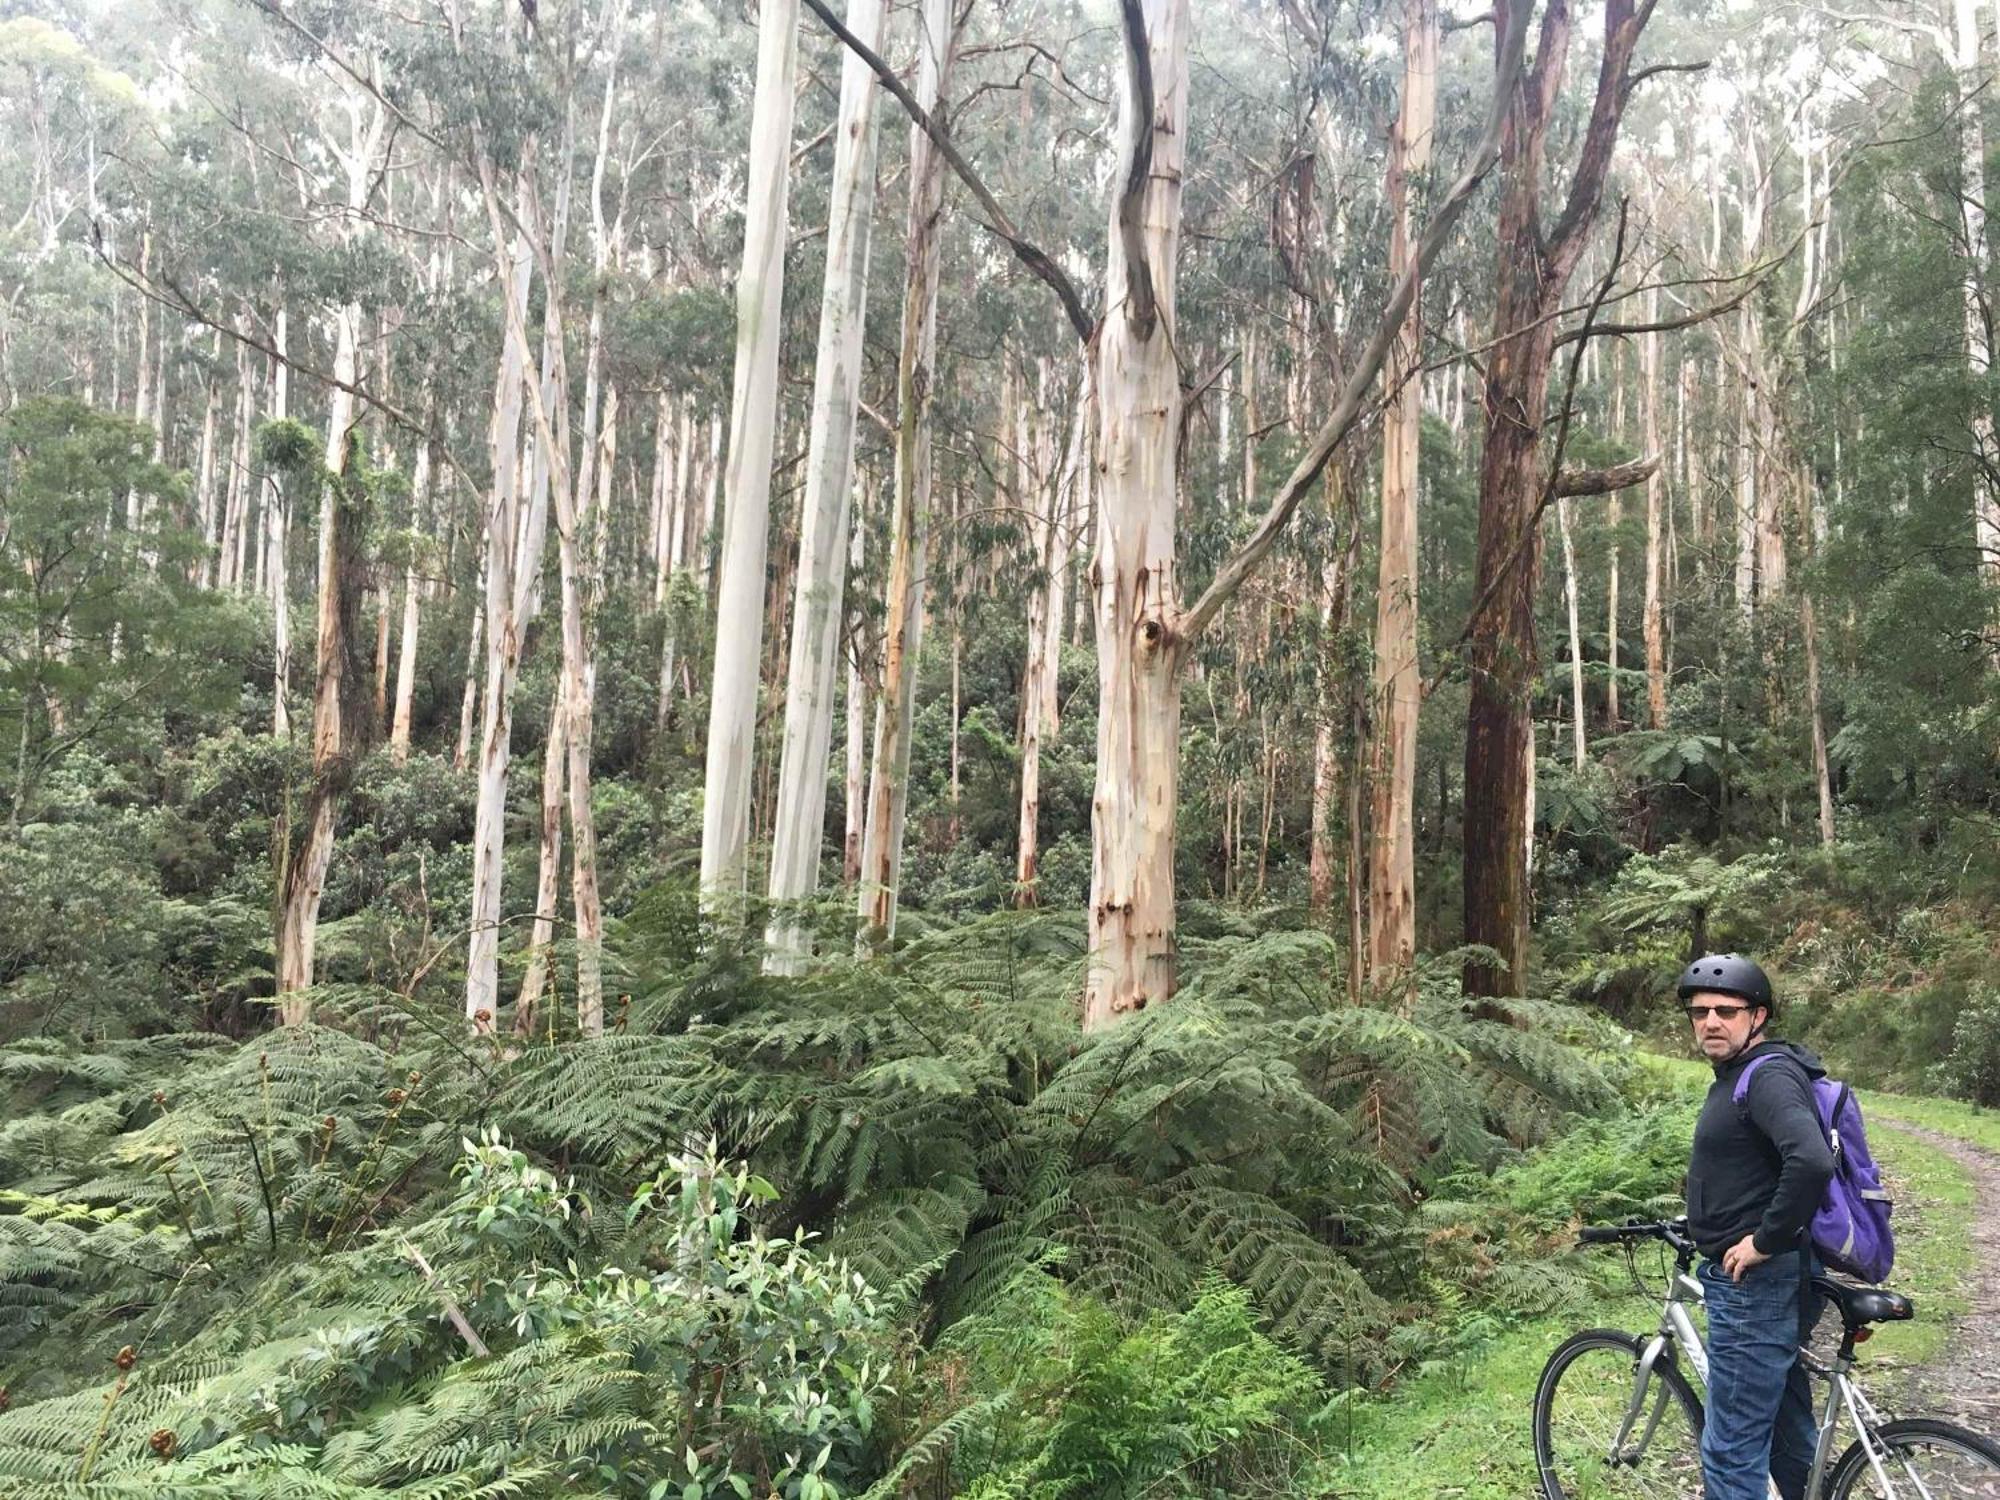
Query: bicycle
(1615, 1413)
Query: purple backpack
(1850, 1228)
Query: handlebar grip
(1601, 1234)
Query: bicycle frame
(1677, 1327)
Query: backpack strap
(1740, 1095)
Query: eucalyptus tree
(725, 826)
(1531, 277)
(824, 540)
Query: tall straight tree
(509, 573)
(1534, 269)
(746, 514)
(335, 725)
(817, 612)
(1392, 893)
(909, 525)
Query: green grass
(1464, 1432)
(1953, 1117)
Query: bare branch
(1571, 483)
(1347, 411)
(996, 221)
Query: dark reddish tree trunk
(1534, 270)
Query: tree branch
(1230, 577)
(1571, 483)
(1142, 309)
(995, 221)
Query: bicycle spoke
(1594, 1452)
(1920, 1468)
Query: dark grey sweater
(1764, 1175)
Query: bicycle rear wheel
(1587, 1390)
(1922, 1458)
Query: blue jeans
(1760, 1416)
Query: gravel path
(1963, 1381)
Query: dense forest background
(710, 793)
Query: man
(1754, 1178)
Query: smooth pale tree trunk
(468, 700)
(1137, 586)
(1047, 602)
(909, 526)
(582, 508)
(1656, 498)
(208, 515)
(739, 633)
(236, 511)
(1746, 481)
(1398, 682)
(548, 869)
(406, 655)
(277, 545)
(507, 585)
(1534, 268)
(1577, 748)
(585, 897)
(818, 611)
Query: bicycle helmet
(1728, 974)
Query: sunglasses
(1720, 1012)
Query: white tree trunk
(889, 770)
(1132, 953)
(817, 611)
(548, 869)
(739, 635)
(1575, 639)
(276, 546)
(208, 514)
(406, 655)
(1398, 681)
(1656, 495)
(505, 585)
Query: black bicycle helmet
(1728, 974)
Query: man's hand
(1741, 1256)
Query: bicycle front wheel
(1922, 1459)
(1600, 1432)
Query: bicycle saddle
(1864, 1304)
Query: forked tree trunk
(818, 612)
(889, 769)
(1533, 271)
(1398, 683)
(739, 616)
(1133, 576)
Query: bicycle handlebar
(1672, 1231)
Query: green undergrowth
(1464, 1431)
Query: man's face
(1722, 1023)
